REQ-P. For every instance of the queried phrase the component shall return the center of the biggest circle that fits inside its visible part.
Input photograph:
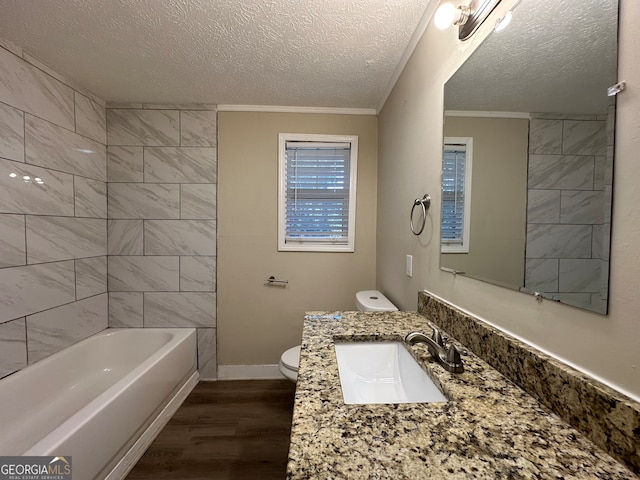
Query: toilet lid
(291, 358)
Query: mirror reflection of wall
(533, 100)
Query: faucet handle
(453, 355)
(437, 337)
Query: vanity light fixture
(467, 17)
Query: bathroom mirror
(529, 118)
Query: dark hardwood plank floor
(232, 430)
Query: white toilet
(366, 301)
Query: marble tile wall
(568, 209)
(53, 212)
(161, 232)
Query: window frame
(466, 226)
(310, 245)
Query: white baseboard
(248, 372)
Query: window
(317, 192)
(456, 194)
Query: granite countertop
(490, 428)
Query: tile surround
(179, 165)
(91, 276)
(569, 207)
(50, 239)
(91, 119)
(143, 127)
(72, 242)
(52, 197)
(13, 346)
(31, 90)
(143, 200)
(143, 273)
(12, 241)
(179, 309)
(54, 147)
(162, 171)
(179, 237)
(125, 309)
(11, 133)
(63, 326)
(55, 137)
(125, 164)
(608, 418)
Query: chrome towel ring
(424, 202)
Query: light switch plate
(409, 266)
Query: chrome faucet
(449, 358)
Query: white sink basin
(383, 372)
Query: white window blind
(318, 194)
(456, 195)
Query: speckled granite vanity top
(490, 428)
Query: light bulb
(445, 16)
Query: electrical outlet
(409, 267)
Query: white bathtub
(101, 401)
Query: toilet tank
(373, 301)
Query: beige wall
(256, 322)
(498, 199)
(410, 131)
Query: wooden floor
(224, 430)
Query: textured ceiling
(328, 53)
(555, 56)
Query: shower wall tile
(542, 274)
(582, 207)
(198, 201)
(30, 289)
(125, 164)
(207, 353)
(558, 241)
(11, 133)
(180, 165)
(584, 138)
(545, 136)
(179, 309)
(12, 241)
(543, 206)
(91, 119)
(61, 238)
(143, 274)
(143, 127)
(198, 274)
(601, 241)
(198, 128)
(29, 89)
(52, 172)
(125, 237)
(554, 172)
(180, 237)
(579, 275)
(53, 197)
(138, 200)
(58, 328)
(125, 309)
(162, 173)
(51, 146)
(90, 197)
(91, 276)
(13, 346)
(599, 172)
